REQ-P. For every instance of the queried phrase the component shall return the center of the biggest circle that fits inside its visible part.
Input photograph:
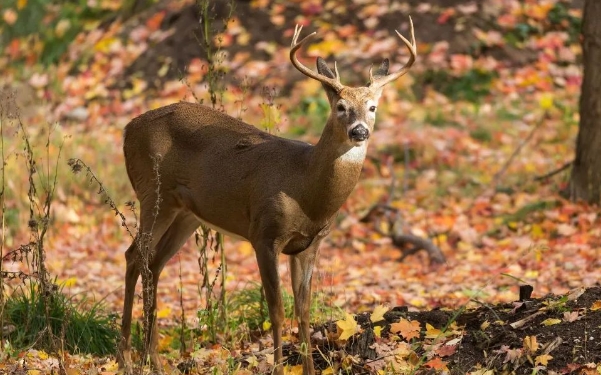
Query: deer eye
(372, 108)
(340, 108)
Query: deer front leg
(267, 258)
(301, 271)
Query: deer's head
(353, 109)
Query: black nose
(359, 133)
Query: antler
(332, 82)
(376, 83)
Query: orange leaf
(596, 305)
(407, 329)
(437, 364)
(154, 22)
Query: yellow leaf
(378, 331)
(164, 312)
(69, 282)
(596, 305)
(484, 325)
(104, 44)
(34, 372)
(550, 322)
(21, 4)
(327, 47)
(546, 101)
(378, 314)
(328, 371)
(293, 370)
(347, 326)
(266, 325)
(530, 344)
(431, 332)
(542, 359)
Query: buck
(191, 165)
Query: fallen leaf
(571, 316)
(407, 329)
(530, 344)
(542, 359)
(378, 331)
(596, 305)
(348, 327)
(550, 321)
(437, 364)
(431, 332)
(378, 314)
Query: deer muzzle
(359, 133)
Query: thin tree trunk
(585, 181)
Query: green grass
(81, 326)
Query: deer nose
(359, 133)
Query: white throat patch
(354, 154)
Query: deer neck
(333, 170)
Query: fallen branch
(397, 235)
(554, 172)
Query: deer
(192, 166)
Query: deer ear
(322, 68)
(383, 69)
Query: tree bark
(585, 181)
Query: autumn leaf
(571, 316)
(431, 332)
(164, 312)
(378, 331)
(378, 314)
(596, 305)
(407, 329)
(446, 350)
(437, 364)
(542, 359)
(550, 321)
(347, 326)
(293, 370)
(530, 344)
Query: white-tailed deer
(192, 165)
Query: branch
(554, 172)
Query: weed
(83, 326)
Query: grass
(80, 326)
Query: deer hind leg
(301, 273)
(172, 240)
(267, 258)
(150, 231)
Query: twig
(521, 323)
(554, 172)
(518, 149)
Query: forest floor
(467, 136)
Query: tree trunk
(585, 182)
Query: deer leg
(151, 230)
(174, 238)
(301, 273)
(267, 258)
(132, 273)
